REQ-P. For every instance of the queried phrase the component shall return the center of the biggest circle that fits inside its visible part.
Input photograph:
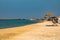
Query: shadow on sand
(51, 25)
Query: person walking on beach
(54, 21)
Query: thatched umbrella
(48, 15)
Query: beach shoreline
(38, 31)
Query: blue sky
(28, 8)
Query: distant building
(36, 19)
(32, 19)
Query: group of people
(55, 21)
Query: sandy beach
(38, 31)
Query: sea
(9, 23)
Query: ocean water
(8, 23)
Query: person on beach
(54, 21)
(59, 20)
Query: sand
(38, 31)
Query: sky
(28, 8)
